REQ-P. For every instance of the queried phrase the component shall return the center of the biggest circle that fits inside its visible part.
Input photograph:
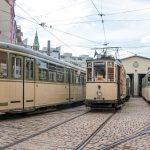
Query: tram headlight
(99, 93)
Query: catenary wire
(43, 26)
(75, 35)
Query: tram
(30, 80)
(106, 84)
(146, 87)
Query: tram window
(77, 79)
(77, 73)
(52, 67)
(100, 71)
(148, 79)
(60, 69)
(89, 74)
(3, 65)
(43, 70)
(67, 77)
(110, 73)
(42, 74)
(29, 68)
(16, 67)
(82, 79)
(60, 74)
(52, 76)
(71, 76)
(60, 77)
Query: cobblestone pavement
(140, 143)
(132, 118)
(66, 136)
(14, 130)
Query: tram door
(28, 83)
(16, 82)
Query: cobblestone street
(131, 119)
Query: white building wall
(136, 65)
(7, 22)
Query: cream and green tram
(105, 83)
(31, 80)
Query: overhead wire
(128, 11)
(73, 18)
(102, 21)
(36, 22)
(77, 36)
(56, 10)
(43, 26)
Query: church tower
(36, 45)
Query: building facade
(79, 61)
(136, 67)
(7, 21)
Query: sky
(77, 27)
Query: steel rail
(42, 131)
(86, 141)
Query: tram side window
(67, 75)
(52, 72)
(3, 65)
(100, 71)
(77, 80)
(43, 70)
(82, 78)
(110, 71)
(60, 74)
(29, 65)
(16, 67)
(89, 74)
(52, 76)
(72, 76)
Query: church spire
(36, 45)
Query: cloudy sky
(76, 26)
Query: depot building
(136, 67)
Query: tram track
(42, 131)
(15, 116)
(83, 144)
(126, 139)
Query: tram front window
(100, 71)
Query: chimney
(48, 47)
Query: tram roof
(22, 49)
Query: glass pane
(71, 76)
(52, 76)
(89, 74)
(110, 71)
(60, 77)
(82, 78)
(29, 69)
(99, 71)
(3, 65)
(43, 70)
(16, 67)
(42, 74)
(42, 64)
